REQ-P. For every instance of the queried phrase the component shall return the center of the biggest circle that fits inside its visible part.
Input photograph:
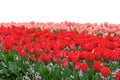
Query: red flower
(39, 59)
(97, 55)
(82, 55)
(22, 54)
(105, 71)
(74, 58)
(29, 45)
(45, 58)
(76, 52)
(64, 63)
(8, 42)
(84, 67)
(55, 58)
(19, 47)
(50, 54)
(105, 43)
(37, 51)
(106, 55)
(117, 76)
(114, 45)
(32, 58)
(97, 65)
(63, 53)
(23, 40)
(88, 46)
(90, 56)
(30, 30)
(77, 66)
(115, 56)
(72, 45)
(31, 50)
(5, 50)
(47, 48)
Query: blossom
(55, 58)
(39, 59)
(97, 55)
(115, 56)
(45, 58)
(84, 67)
(5, 50)
(105, 71)
(82, 55)
(22, 54)
(90, 56)
(32, 58)
(106, 55)
(97, 65)
(64, 63)
(74, 58)
(117, 76)
(77, 66)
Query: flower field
(59, 51)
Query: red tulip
(31, 50)
(117, 76)
(45, 58)
(19, 47)
(32, 58)
(64, 63)
(37, 51)
(55, 58)
(22, 54)
(72, 45)
(74, 58)
(84, 67)
(77, 66)
(105, 71)
(90, 56)
(97, 55)
(97, 65)
(39, 59)
(106, 56)
(5, 50)
(115, 56)
(82, 55)
(87, 46)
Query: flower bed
(52, 54)
(92, 28)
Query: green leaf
(55, 32)
(57, 71)
(75, 73)
(11, 56)
(79, 48)
(24, 66)
(13, 68)
(3, 58)
(66, 73)
(90, 73)
(41, 69)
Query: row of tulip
(102, 29)
(34, 54)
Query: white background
(60, 10)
